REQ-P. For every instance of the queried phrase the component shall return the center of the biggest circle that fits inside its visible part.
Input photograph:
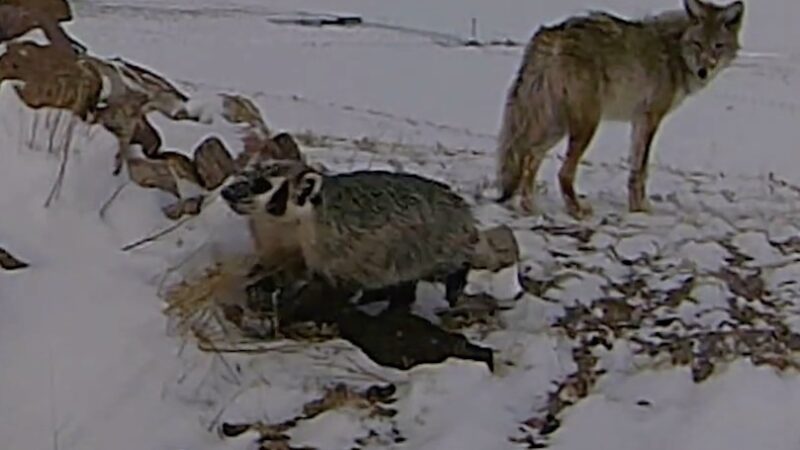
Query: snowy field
(705, 288)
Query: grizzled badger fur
(374, 231)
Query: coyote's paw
(526, 206)
(639, 206)
(579, 210)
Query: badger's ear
(696, 9)
(732, 15)
(309, 185)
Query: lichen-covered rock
(214, 163)
(146, 135)
(496, 249)
(59, 10)
(152, 174)
(242, 110)
(52, 77)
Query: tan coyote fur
(602, 67)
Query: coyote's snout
(603, 67)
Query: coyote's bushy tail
(511, 145)
(530, 122)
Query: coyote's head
(281, 189)
(711, 41)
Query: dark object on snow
(319, 21)
(394, 338)
(10, 262)
(402, 340)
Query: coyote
(603, 67)
(375, 231)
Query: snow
(734, 411)
(87, 360)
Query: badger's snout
(236, 192)
(239, 197)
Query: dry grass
(195, 306)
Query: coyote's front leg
(642, 134)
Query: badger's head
(282, 189)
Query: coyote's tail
(510, 146)
(530, 111)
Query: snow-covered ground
(88, 362)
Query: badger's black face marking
(305, 193)
(260, 185)
(278, 202)
(236, 192)
(238, 196)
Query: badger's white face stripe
(105, 90)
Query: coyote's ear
(696, 9)
(309, 183)
(732, 15)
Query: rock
(287, 147)
(189, 206)
(242, 110)
(10, 262)
(214, 163)
(146, 135)
(497, 249)
(59, 10)
(152, 174)
(52, 78)
(182, 166)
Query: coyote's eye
(697, 45)
(719, 45)
(261, 185)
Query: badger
(376, 232)
(274, 236)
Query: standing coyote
(600, 66)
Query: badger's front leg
(454, 284)
(400, 296)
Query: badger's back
(376, 228)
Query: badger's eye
(261, 185)
(272, 170)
